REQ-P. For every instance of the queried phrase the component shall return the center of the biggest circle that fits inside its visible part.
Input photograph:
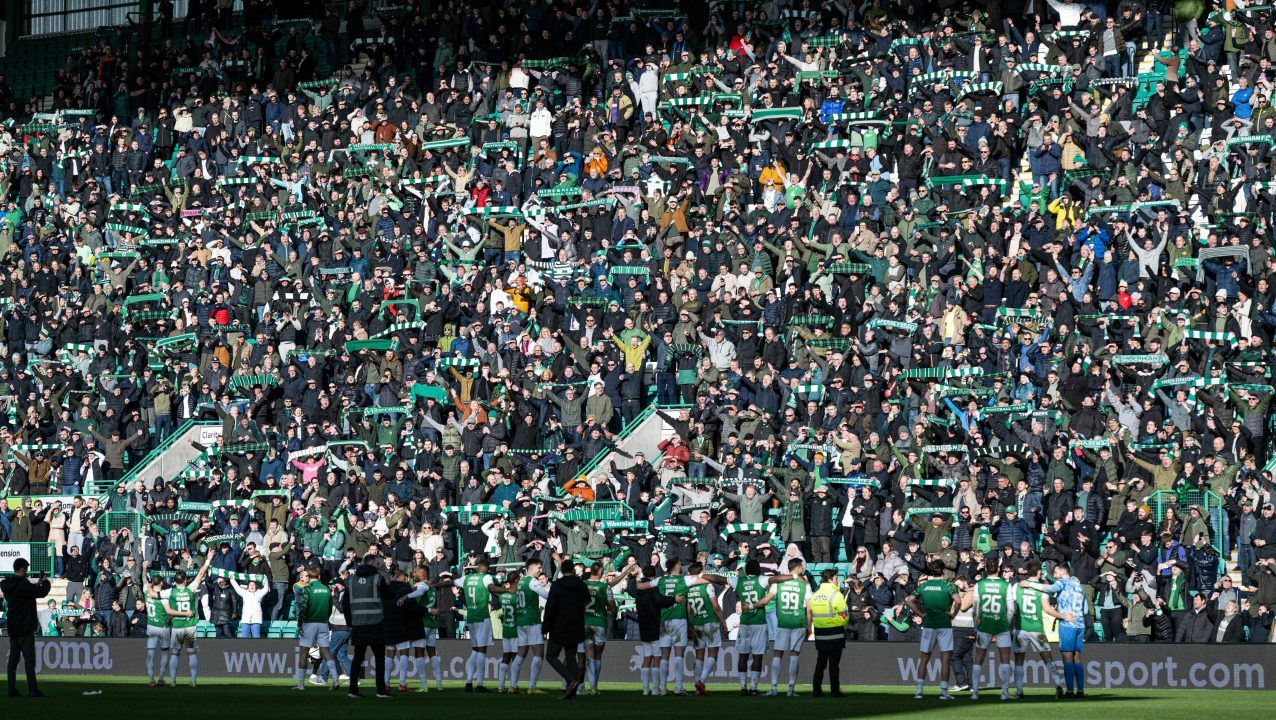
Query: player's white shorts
(673, 633)
(509, 645)
(750, 640)
(707, 636)
(157, 637)
(1025, 642)
(431, 637)
(184, 638)
(418, 644)
(984, 640)
(789, 639)
(649, 649)
(480, 633)
(940, 639)
(596, 636)
(531, 635)
(314, 633)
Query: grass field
(268, 700)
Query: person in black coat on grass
(20, 594)
(564, 624)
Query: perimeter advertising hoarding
(1229, 667)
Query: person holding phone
(20, 595)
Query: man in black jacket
(1198, 625)
(20, 595)
(564, 624)
(820, 510)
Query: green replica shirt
(700, 605)
(509, 610)
(790, 603)
(528, 602)
(995, 605)
(314, 602)
(156, 615)
(477, 597)
(936, 599)
(673, 585)
(598, 604)
(426, 602)
(182, 599)
(749, 589)
(1029, 613)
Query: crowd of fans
(906, 282)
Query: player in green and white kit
(424, 595)
(673, 628)
(708, 627)
(314, 605)
(994, 607)
(936, 601)
(1031, 608)
(509, 630)
(531, 589)
(792, 627)
(478, 587)
(158, 632)
(180, 606)
(751, 640)
(599, 609)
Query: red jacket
(675, 455)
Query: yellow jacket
(1066, 217)
(828, 607)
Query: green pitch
(126, 698)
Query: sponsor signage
(11, 552)
(1189, 667)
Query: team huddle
(1009, 613)
(687, 624)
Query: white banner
(10, 552)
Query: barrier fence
(1214, 667)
